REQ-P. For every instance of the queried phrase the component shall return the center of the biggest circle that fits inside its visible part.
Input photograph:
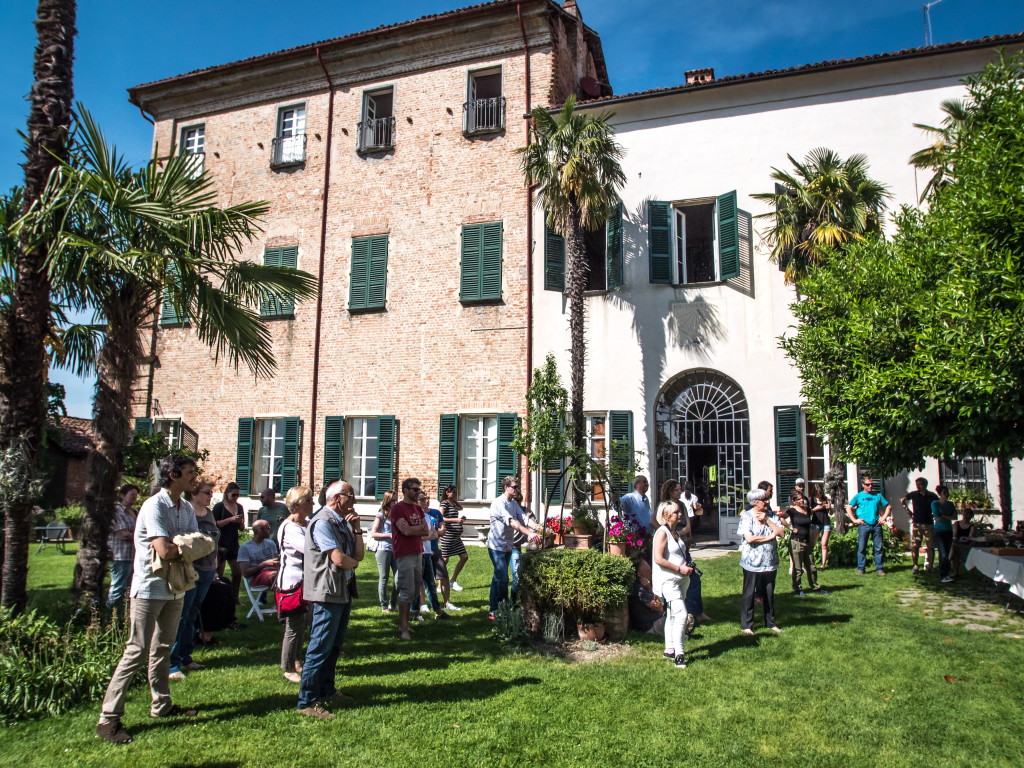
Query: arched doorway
(702, 434)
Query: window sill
(366, 310)
(706, 284)
(481, 302)
(381, 150)
(498, 129)
(175, 324)
(288, 316)
(287, 164)
(597, 292)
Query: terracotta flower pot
(592, 632)
(577, 541)
(616, 548)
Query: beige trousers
(154, 628)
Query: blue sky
(647, 44)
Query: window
(789, 454)
(602, 249)
(815, 451)
(693, 241)
(377, 129)
(484, 110)
(193, 142)
(597, 444)
(474, 453)
(268, 454)
(361, 456)
(966, 473)
(369, 279)
(273, 305)
(478, 456)
(289, 145)
(481, 262)
(178, 434)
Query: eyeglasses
(511, 486)
(415, 490)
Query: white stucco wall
(706, 142)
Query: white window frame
(485, 456)
(358, 455)
(193, 142)
(292, 138)
(276, 445)
(168, 427)
(593, 441)
(679, 240)
(811, 430)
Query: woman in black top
(822, 525)
(229, 515)
(451, 539)
(962, 529)
(800, 542)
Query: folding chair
(56, 533)
(254, 597)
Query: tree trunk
(116, 371)
(21, 412)
(837, 493)
(575, 285)
(1005, 499)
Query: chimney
(569, 6)
(700, 76)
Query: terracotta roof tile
(77, 434)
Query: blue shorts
(821, 528)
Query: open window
(694, 241)
(484, 110)
(289, 144)
(602, 248)
(193, 143)
(377, 128)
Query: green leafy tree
(574, 161)
(915, 347)
(825, 202)
(128, 241)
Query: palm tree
(131, 239)
(22, 363)
(825, 202)
(574, 161)
(938, 155)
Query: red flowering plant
(624, 531)
(560, 525)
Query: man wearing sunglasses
(408, 526)
(868, 511)
(506, 519)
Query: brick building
(389, 158)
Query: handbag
(290, 603)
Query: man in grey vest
(334, 547)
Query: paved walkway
(971, 608)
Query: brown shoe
(113, 732)
(317, 711)
(176, 711)
(341, 698)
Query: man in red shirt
(407, 527)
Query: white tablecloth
(1005, 570)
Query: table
(1001, 569)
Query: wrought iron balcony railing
(483, 115)
(376, 134)
(288, 150)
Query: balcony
(288, 150)
(483, 116)
(377, 134)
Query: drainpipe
(529, 214)
(320, 279)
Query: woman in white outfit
(671, 577)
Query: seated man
(258, 557)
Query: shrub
(46, 669)
(582, 583)
(510, 628)
(71, 515)
(842, 550)
(972, 497)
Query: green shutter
(334, 448)
(620, 430)
(385, 455)
(613, 249)
(554, 481)
(279, 306)
(507, 463)
(481, 262)
(448, 452)
(359, 279)
(554, 260)
(789, 454)
(143, 426)
(728, 237)
(243, 462)
(168, 314)
(377, 282)
(660, 241)
(290, 459)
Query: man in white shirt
(504, 524)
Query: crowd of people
(306, 554)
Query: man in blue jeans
(868, 511)
(505, 517)
(334, 547)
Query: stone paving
(972, 608)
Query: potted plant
(584, 526)
(556, 529)
(970, 498)
(623, 535)
(71, 515)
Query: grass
(855, 679)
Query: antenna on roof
(927, 8)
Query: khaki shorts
(921, 533)
(408, 577)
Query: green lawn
(855, 679)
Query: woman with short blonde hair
(670, 578)
(291, 543)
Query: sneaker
(194, 666)
(317, 711)
(915, 570)
(424, 608)
(450, 607)
(385, 609)
(758, 599)
(860, 572)
(443, 615)
(820, 591)
(113, 732)
(341, 698)
(419, 618)
(492, 617)
(176, 711)
(670, 655)
(681, 661)
(456, 586)
(880, 572)
(947, 580)
(176, 675)
(800, 593)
